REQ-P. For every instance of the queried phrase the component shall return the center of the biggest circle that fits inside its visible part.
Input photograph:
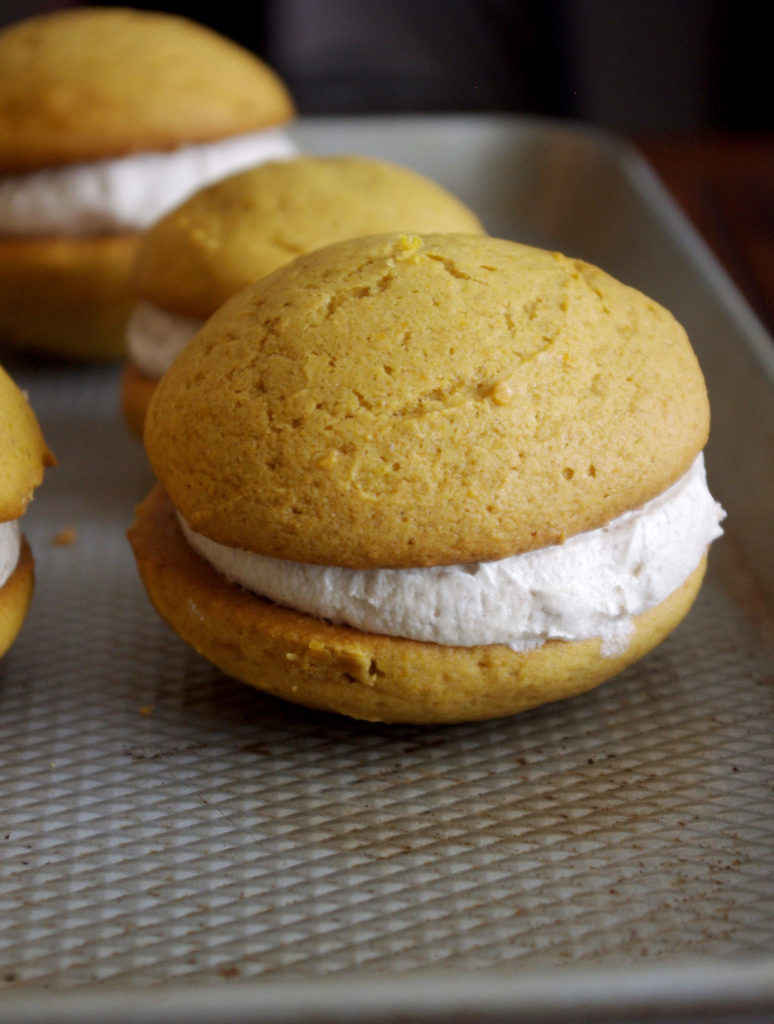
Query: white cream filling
(154, 337)
(130, 192)
(590, 586)
(10, 548)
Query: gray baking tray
(175, 846)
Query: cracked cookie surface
(238, 230)
(407, 400)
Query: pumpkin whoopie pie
(233, 232)
(23, 458)
(109, 117)
(428, 479)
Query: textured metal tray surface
(162, 826)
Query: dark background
(645, 68)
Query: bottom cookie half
(67, 297)
(363, 675)
(15, 597)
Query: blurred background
(649, 68)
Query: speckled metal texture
(162, 826)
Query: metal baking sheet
(177, 846)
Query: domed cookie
(249, 224)
(108, 118)
(24, 457)
(428, 478)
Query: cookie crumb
(65, 538)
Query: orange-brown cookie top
(23, 451)
(88, 83)
(402, 400)
(247, 225)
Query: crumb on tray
(65, 538)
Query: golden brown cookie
(24, 451)
(242, 228)
(16, 597)
(470, 433)
(411, 401)
(363, 675)
(66, 296)
(24, 456)
(84, 86)
(88, 83)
